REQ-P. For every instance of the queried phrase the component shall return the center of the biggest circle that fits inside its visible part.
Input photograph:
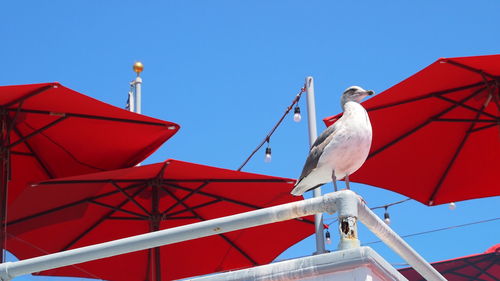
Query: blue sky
(225, 70)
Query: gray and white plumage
(342, 148)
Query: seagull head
(355, 94)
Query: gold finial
(138, 67)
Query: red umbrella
(121, 203)
(436, 135)
(485, 266)
(49, 131)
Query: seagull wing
(317, 149)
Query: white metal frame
(349, 206)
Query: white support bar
(347, 203)
(397, 244)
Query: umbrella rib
(36, 132)
(96, 117)
(468, 277)
(229, 180)
(22, 153)
(129, 218)
(182, 218)
(130, 198)
(483, 128)
(481, 259)
(481, 270)
(430, 95)
(495, 261)
(191, 193)
(159, 176)
(221, 235)
(29, 95)
(425, 123)
(38, 159)
(465, 120)
(51, 182)
(453, 159)
(467, 106)
(67, 152)
(62, 207)
(97, 223)
(217, 197)
(469, 68)
(117, 209)
(220, 198)
(170, 216)
(243, 253)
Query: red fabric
(209, 192)
(484, 266)
(436, 162)
(93, 137)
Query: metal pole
(4, 181)
(138, 94)
(131, 97)
(311, 121)
(397, 244)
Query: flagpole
(138, 68)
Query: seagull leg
(334, 180)
(347, 181)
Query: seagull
(342, 148)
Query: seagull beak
(370, 92)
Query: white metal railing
(346, 203)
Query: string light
(387, 218)
(268, 157)
(452, 206)
(328, 237)
(296, 116)
(268, 149)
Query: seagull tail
(298, 190)
(301, 187)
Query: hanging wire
(390, 204)
(380, 207)
(439, 229)
(268, 136)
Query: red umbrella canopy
(436, 135)
(485, 266)
(52, 131)
(116, 204)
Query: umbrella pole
(155, 226)
(3, 201)
(311, 121)
(155, 266)
(4, 179)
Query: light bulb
(296, 114)
(452, 206)
(328, 239)
(267, 158)
(387, 218)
